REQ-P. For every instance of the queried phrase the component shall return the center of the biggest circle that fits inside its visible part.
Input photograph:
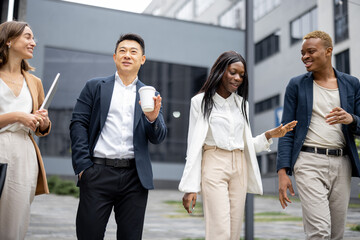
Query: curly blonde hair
(322, 35)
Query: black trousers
(103, 188)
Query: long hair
(8, 32)
(214, 80)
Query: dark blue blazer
(298, 103)
(89, 117)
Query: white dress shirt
(116, 138)
(11, 103)
(226, 124)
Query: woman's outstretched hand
(280, 131)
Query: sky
(137, 6)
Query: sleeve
(191, 178)
(286, 143)
(355, 126)
(79, 130)
(156, 131)
(260, 142)
(40, 100)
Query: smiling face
(128, 57)
(23, 46)
(315, 55)
(232, 79)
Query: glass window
(342, 60)
(267, 47)
(267, 104)
(262, 7)
(202, 5)
(303, 25)
(176, 83)
(341, 20)
(234, 17)
(186, 12)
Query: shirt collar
(118, 79)
(219, 100)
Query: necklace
(10, 79)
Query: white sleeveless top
(11, 103)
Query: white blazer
(198, 127)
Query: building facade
(78, 41)
(279, 26)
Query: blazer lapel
(343, 100)
(106, 92)
(138, 111)
(32, 89)
(342, 91)
(309, 96)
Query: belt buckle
(117, 163)
(327, 152)
(341, 152)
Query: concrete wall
(75, 26)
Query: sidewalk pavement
(53, 218)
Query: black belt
(116, 162)
(326, 151)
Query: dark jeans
(102, 188)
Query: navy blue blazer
(298, 103)
(88, 119)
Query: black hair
(133, 37)
(214, 80)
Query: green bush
(62, 187)
(355, 228)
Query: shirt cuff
(149, 120)
(267, 143)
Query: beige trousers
(19, 190)
(224, 186)
(323, 183)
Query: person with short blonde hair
(327, 41)
(321, 151)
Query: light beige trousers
(224, 186)
(18, 151)
(323, 183)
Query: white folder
(50, 95)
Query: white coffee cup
(146, 97)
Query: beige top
(11, 103)
(320, 133)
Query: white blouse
(226, 124)
(11, 103)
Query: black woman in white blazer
(221, 158)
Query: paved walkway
(53, 218)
